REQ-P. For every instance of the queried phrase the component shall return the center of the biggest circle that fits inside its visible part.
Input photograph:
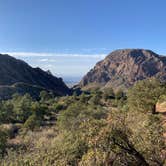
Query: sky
(70, 36)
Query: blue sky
(80, 27)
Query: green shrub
(144, 95)
(32, 122)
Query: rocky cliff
(122, 68)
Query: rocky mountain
(122, 68)
(18, 76)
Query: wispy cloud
(44, 60)
(46, 54)
(48, 60)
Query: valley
(103, 120)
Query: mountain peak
(123, 67)
(133, 53)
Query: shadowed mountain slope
(16, 73)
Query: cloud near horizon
(46, 54)
(60, 64)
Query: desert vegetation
(97, 127)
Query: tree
(37, 116)
(45, 96)
(32, 122)
(39, 110)
(6, 112)
(22, 107)
(145, 94)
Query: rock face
(18, 76)
(122, 68)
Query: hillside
(90, 129)
(122, 68)
(16, 72)
(101, 127)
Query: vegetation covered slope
(122, 68)
(101, 128)
(16, 72)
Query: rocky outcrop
(122, 68)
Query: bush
(32, 122)
(144, 95)
(59, 107)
